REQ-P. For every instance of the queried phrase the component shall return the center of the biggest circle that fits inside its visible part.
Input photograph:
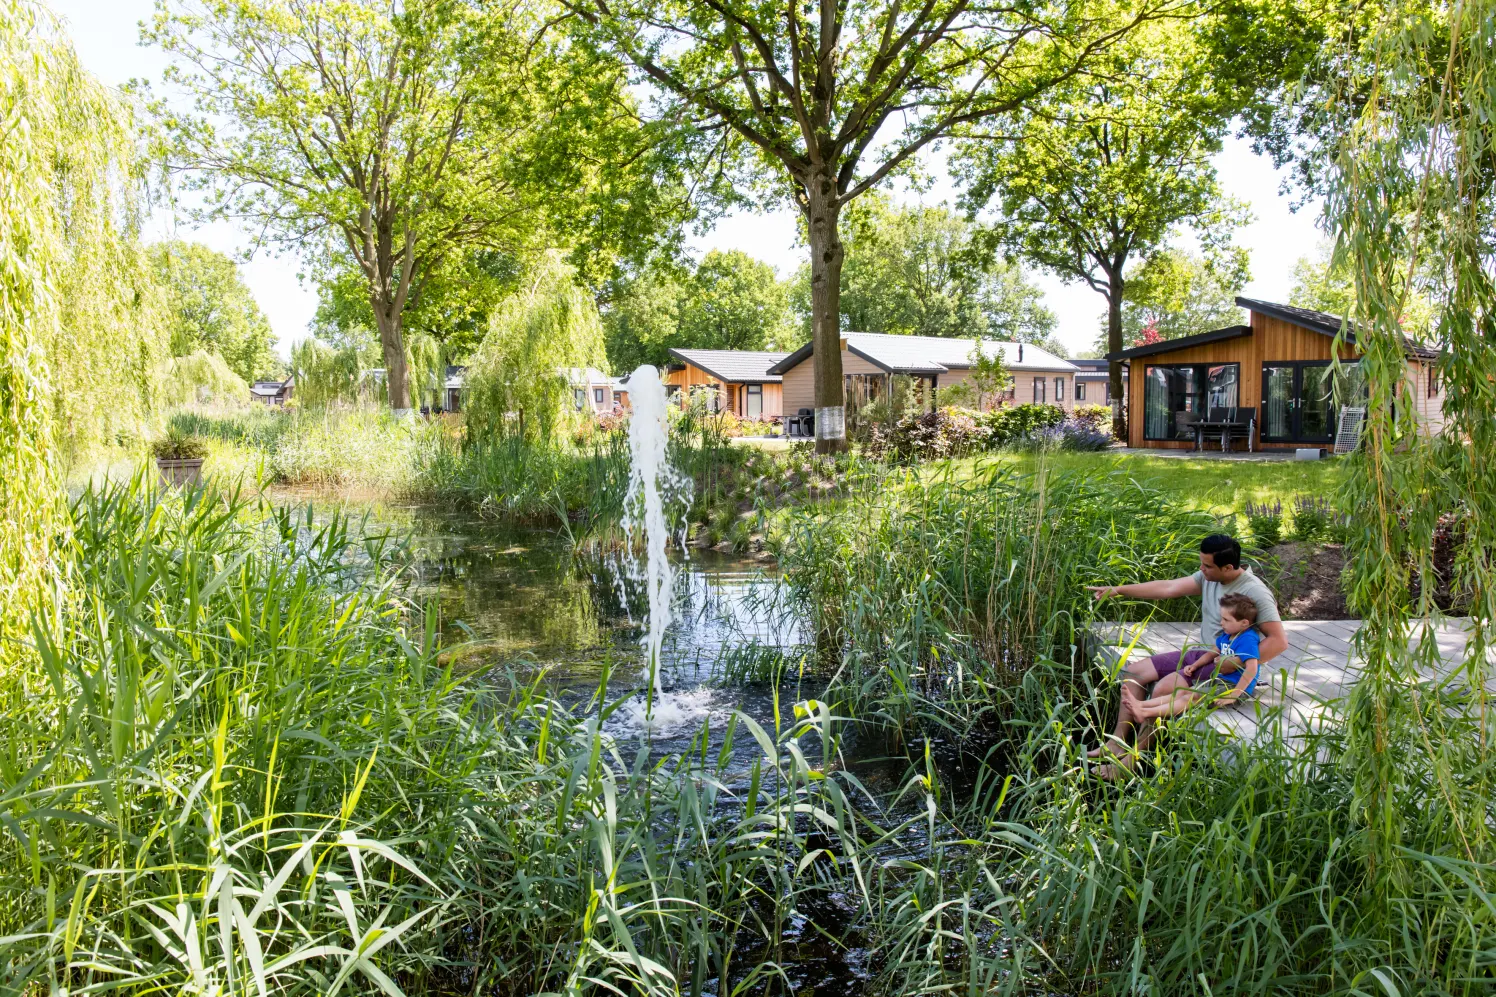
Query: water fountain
(652, 482)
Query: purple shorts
(1169, 662)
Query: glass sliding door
(1277, 401)
(1298, 402)
(1317, 404)
(1176, 397)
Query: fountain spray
(652, 481)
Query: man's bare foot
(1116, 770)
(1111, 745)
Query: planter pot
(181, 472)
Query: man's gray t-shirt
(1248, 585)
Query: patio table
(1227, 428)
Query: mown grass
(1217, 486)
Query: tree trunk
(826, 255)
(1113, 345)
(393, 342)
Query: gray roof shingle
(733, 365)
(933, 354)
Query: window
(753, 403)
(581, 396)
(1174, 398)
(1433, 381)
(1038, 391)
(1059, 389)
(1080, 391)
(597, 395)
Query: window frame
(597, 396)
(752, 391)
(1059, 390)
(1039, 390)
(1202, 378)
(1080, 391)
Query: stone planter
(180, 472)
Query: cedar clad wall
(733, 395)
(1271, 340)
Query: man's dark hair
(1223, 550)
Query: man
(1221, 573)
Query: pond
(523, 600)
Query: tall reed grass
(232, 766)
(930, 590)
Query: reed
(236, 766)
(930, 591)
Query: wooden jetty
(1297, 688)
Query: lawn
(1214, 485)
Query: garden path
(1299, 686)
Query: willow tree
(832, 98)
(397, 136)
(75, 315)
(1411, 207)
(519, 379)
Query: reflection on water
(522, 599)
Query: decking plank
(1298, 689)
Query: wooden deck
(1297, 688)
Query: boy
(1235, 659)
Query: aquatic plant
(930, 591)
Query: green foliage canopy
(1175, 293)
(803, 92)
(392, 139)
(728, 301)
(1111, 167)
(918, 270)
(80, 336)
(209, 307)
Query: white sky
(106, 35)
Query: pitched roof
(931, 354)
(582, 376)
(733, 365)
(1183, 342)
(1094, 367)
(1322, 322)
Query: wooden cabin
(871, 360)
(740, 380)
(1279, 364)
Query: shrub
(1066, 435)
(1096, 416)
(1006, 425)
(1266, 522)
(927, 436)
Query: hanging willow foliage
(517, 381)
(1411, 209)
(80, 341)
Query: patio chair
(1184, 426)
(1226, 424)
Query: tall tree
(733, 302)
(1109, 168)
(398, 136)
(807, 88)
(917, 270)
(209, 307)
(727, 301)
(1177, 293)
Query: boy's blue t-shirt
(1245, 646)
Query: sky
(106, 35)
